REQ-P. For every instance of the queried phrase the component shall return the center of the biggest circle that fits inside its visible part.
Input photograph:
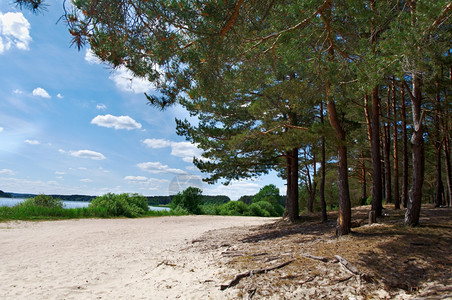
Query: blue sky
(70, 125)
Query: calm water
(66, 204)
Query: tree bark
(396, 148)
(376, 157)
(417, 145)
(322, 171)
(292, 209)
(438, 145)
(448, 171)
(404, 151)
(311, 185)
(363, 177)
(387, 151)
(345, 213)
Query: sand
(147, 258)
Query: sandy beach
(147, 258)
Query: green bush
(44, 201)
(234, 208)
(126, 205)
(210, 209)
(267, 199)
(256, 210)
(189, 201)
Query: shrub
(268, 201)
(126, 205)
(43, 200)
(234, 208)
(189, 200)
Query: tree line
(296, 87)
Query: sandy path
(148, 258)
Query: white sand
(148, 258)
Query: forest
(348, 100)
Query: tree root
(237, 277)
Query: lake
(66, 204)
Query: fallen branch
(311, 278)
(344, 279)
(347, 265)
(167, 263)
(324, 259)
(352, 269)
(237, 277)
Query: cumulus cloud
(59, 173)
(40, 92)
(1, 129)
(32, 142)
(158, 168)
(121, 122)
(101, 106)
(59, 96)
(87, 154)
(157, 143)
(123, 78)
(127, 82)
(185, 150)
(136, 178)
(91, 58)
(6, 172)
(86, 180)
(18, 92)
(235, 189)
(14, 31)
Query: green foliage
(234, 208)
(126, 205)
(188, 201)
(268, 199)
(43, 200)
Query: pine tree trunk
(323, 171)
(404, 151)
(417, 145)
(438, 145)
(376, 158)
(446, 147)
(387, 151)
(363, 177)
(345, 213)
(292, 209)
(396, 149)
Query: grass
(29, 212)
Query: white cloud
(91, 58)
(32, 142)
(7, 172)
(186, 150)
(59, 96)
(101, 106)
(14, 32)
(127, 82)
(235, 189)
(40, 92)
(136, 178)
(157, 143)
(18, 92)
(123, 78)
(1, 129)
(158, 168)
(87, 154)
(59, 173)
(86, 180)
(121, 122)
